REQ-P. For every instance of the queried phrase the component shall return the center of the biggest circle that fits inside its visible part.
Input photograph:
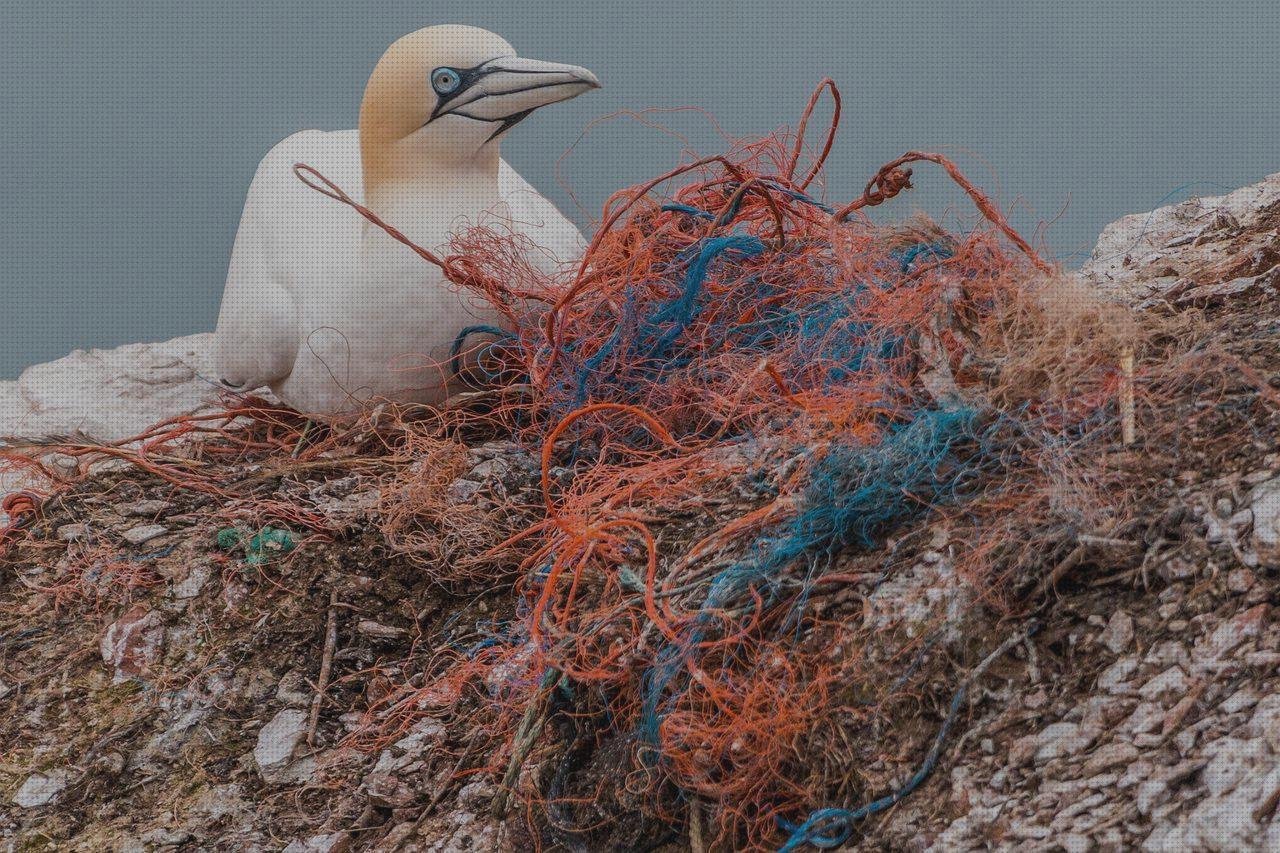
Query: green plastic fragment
(228, 538)
(267, 544)
(262, 547)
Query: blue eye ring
(445, 80)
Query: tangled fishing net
(742, 334)
(741, 385)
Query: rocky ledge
(112, 394)
(1143, 714)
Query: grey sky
(129, 130)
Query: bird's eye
(445, 80)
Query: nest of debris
(742, 513)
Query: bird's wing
(284, 230)
(559, 240)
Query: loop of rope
(892, 179)
(830, 85)
(22, 508)
(884, 186)
(456, 268)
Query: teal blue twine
(652, 337)
(856, 494)
(831, 827)
(455, 351)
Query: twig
(1033, 660)
(430, 807)
(1128, 422)
(326, 664)
(1059, 571)
(1095, 541)
(696, 844)
(1084, 542)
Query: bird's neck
(424, 195)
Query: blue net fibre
(688, 320)
(643, 346)
(696, 316)
(856, 494)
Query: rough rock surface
(110, 394)
(107, 395)
(1147, 717)
(1194, 251)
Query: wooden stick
(696, 844)
(326, 664)
(430, 807)
(1059, 571)
(1128, 424)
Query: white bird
(328, 310)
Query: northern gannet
(327, 309)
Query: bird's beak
(508, 89)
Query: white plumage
(328, 310)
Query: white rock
(424, 735)
(1232, 760)
(1230, 634)
(331, 843)
(278, 739)
(40, 789)
(77, 532)
(133, 643)
(1080, 806)
(195, 580)
(1061, 739)
(160, 838)
(1265, 722)
(1265, 503)
(1150, 794)
(476, 795)
(144, 533)
(1240, 580)
(1224, 822)
(965, 831)
(144, 508)
(1075, 843)
(1185, 741)
(379, 631)
(1029, 830)
(1133, 252)
(1114, 677)
(1134, 773)
(1145, 718)
(1244, 698)
(1114, 754)
(1168, 685)
(1168, 654)
(110, 394)
(1262, 659)
(1102, 780)
(931, 594)
(1119, 632)
(219, 801)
